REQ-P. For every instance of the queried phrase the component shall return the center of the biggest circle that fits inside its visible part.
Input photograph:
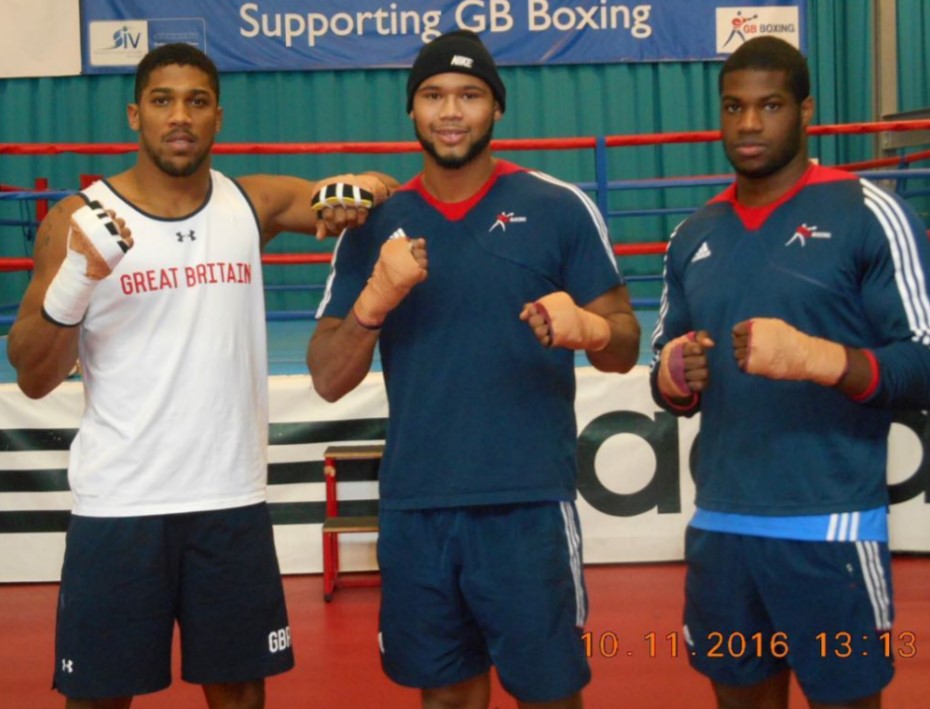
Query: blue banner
(298, 35)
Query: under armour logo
(67, 666)
(189, 235)
(505, 218)
(805, 232)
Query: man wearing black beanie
(478, 320)
(461, 52)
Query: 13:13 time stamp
(903, 644)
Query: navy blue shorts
(757, 605)
(126, 580)
(466, 588)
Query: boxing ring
(635, 485)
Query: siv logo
(279, 640)
(189, 235)
(459, 60)
(117, 42)
(805, 232)
(67, 666)
(124, 39)
(505, 218)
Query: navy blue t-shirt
(836, 258)
(480, 412)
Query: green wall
(913, 50)
(556, 101)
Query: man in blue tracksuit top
(477, 323)
(795, 316)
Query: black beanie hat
(461, 52)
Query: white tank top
(175, 365)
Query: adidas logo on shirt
(702, 253)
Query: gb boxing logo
(505, 218)
(805, 232)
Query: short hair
(768, 53)
(178, 53)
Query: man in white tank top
(153, 279)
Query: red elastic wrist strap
(681, 407)
(365, 325)
(875, 380)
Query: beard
(778, 160)
(174, 169)
(183, 170)
(454, 162)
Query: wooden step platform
(336, 524)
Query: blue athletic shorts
(466, 588)
(756, 605)
(126, 580)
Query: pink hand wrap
(672, 381)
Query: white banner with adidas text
(635, 488)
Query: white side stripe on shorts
(573, 535)
(844, 527)
(874, 574)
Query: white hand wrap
(93, 238)
(342, 194)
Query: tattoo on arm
(43, 238)
(44, 235)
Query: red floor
(337, 659)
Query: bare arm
(340, 351)
(283, 203)
(43, 353)
(339, 356)
(622, 352)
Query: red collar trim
(754, 217)
(456, 211)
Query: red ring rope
(8, 264)
(411, 146)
